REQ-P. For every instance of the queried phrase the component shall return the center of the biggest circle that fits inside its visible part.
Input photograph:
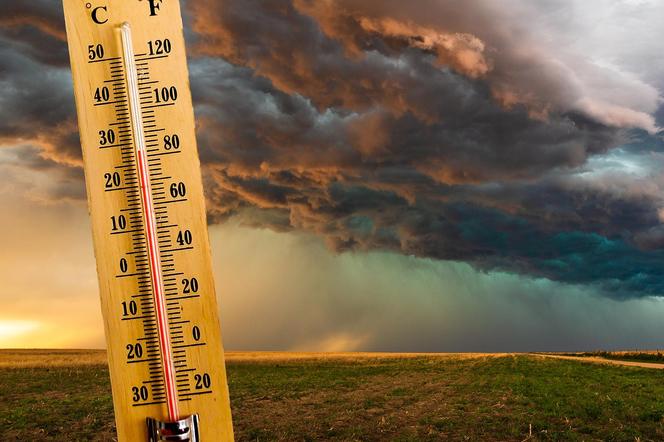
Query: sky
(380, 175)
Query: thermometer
(147, 209)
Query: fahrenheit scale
(147, 208)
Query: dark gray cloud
(43, 15)
(36, 94)
(377, 128)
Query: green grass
(60, 403)
(427, 398)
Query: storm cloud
(425, 128)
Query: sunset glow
(13, 331)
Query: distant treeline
(623, 356)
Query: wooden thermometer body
(133, 270)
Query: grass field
(65, 396)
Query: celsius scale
(147, 208)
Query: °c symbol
(97, 16)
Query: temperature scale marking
(149, 227)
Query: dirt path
(597, 360)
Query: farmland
(65, 396)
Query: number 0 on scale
(147, 208)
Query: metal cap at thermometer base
(184, 430)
